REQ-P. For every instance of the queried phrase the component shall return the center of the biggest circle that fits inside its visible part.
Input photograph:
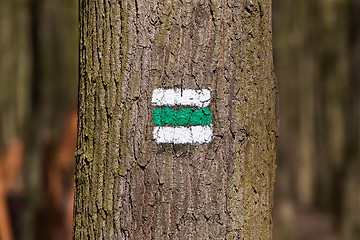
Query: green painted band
(162, 116)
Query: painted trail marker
(182, 116)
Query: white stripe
(181, 135)
(178, 96)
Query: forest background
(316, 55)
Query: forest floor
(315, 226)
(305, 225)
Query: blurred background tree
(49, 167)
(349, 209)
(315, 63)
(38, 89)
(15, 84)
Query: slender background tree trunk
(54, 84)
(15, 72)
(312, 57)
(350, 206)
(130, 187)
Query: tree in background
(38, 87)
(312, 68)
(132, 185)
(15, 82)
(318, 131)
(350, 205)
(50, 157)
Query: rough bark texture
(129, 187)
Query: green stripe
(181, 116)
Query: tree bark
(128, 186)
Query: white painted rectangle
(183, 135)
(178, 96)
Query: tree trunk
(132, 182)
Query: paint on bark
(130, 187)
(181, 124)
